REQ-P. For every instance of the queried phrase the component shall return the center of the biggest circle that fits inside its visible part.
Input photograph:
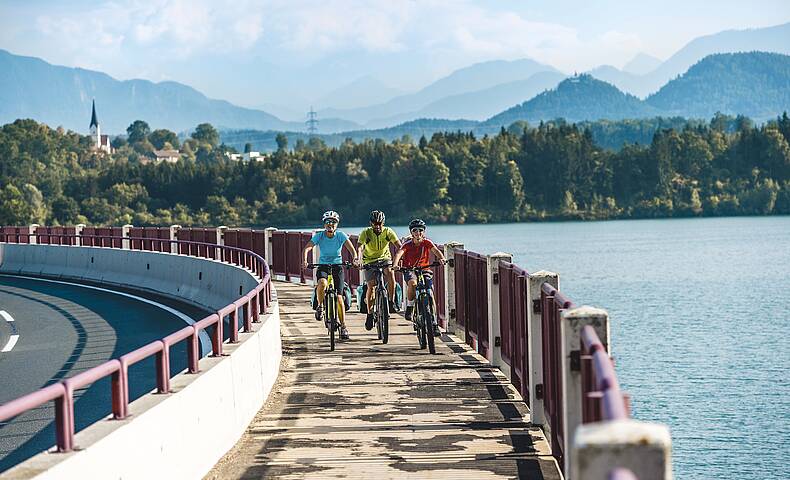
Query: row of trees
(140, 143)
(552, 171)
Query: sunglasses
(376, 224)
(415, 230)
(330, 222)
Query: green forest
(551, 171)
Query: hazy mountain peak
(365, 90)
(641, 64)
(577, 98)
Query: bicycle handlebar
(371, 266)
(424, 267)
(344, 264)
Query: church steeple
(94, 120)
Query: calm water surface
(699, 320)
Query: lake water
(700, 324)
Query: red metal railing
(199, 242)
(440, 287)
(53, 235)
(287, 250)
(15, 234)
(150, 238)
(251, 304)
(601, 395)
(513, 305)
(552, 304)
(102, 237)
(471, 297)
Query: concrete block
(642, 447)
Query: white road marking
(14, 336)
(10, 344)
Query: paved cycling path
(369, 410)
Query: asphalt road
(66, 329)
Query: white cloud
(165, 26)
(455, 32)
(338, 25)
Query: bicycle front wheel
(331, 318)
(384, 317)
(427, 322)
(419, 320)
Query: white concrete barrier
(203, 282)
(177, 435)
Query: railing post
(494, 317)
(234, 325)
(449, 286)
(221, 234)
(267, 242)
(535, 340)
(33, 236)
(78, 232)
(126, 243)
(571, 323)
(173, 237)
(644, 448)
(217, 336)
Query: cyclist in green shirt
(374, 246)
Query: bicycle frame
(424, 308)
(333, 309)
(380, 303)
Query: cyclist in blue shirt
(330, 241)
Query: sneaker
(436, 331)
(409, 312)
(343, 333)
(319, 312)
(394, 307)
(369, 322)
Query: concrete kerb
(232, 386)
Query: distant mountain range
(642, 83)
(488, 94)
(754, 84)
(476, 78)
(61, 96)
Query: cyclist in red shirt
(416, 252)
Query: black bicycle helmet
(417, 223)
(377, 216)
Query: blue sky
(254, 52)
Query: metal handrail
(613, 407)
(253, 302)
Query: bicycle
(331, 301)
(380, 308)
(423, 314)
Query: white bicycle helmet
(330, 215)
